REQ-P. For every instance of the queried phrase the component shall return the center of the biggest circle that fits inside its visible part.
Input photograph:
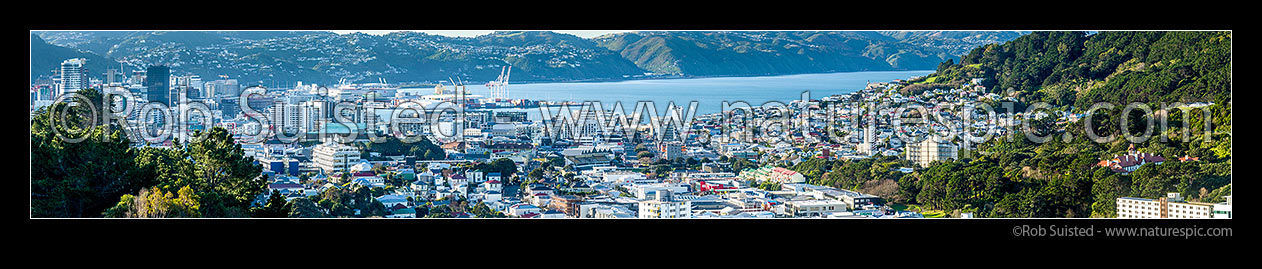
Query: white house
(492, 196)
(370, 181)
(392, 200)
(493, 185)
(518, 210)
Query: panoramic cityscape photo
(479, 124)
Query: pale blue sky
(472, 33)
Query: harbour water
(710, 93)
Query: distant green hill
(46, 57)
(285, 57)
(766, 53)
(1074, 68)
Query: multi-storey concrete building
(1172, 206)
(331, 157)
(930, 150)
(664, 206)
(670, 150)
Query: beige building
(930, 150)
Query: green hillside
(46, 57)
(1073, 68)
(1015, 177)
(285, 57)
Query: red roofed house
(1131, 161)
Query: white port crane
(499, 87)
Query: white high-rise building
(74, 76)
(287, 117)
(868, 147)
(313, 115)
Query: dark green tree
(277, 207)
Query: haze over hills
(285, 57)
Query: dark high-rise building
(157, 82)
(230, 107)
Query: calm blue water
(710, 93)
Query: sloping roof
(453, 145)
(283, 186)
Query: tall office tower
(157, 82)
(186, 87)
(179, 87)
(314, 113)
(111, 76)
(286, 117)
(195, 86)
(230, 107)
(73, 76)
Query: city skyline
(959, 141)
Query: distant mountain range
(285, 57)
